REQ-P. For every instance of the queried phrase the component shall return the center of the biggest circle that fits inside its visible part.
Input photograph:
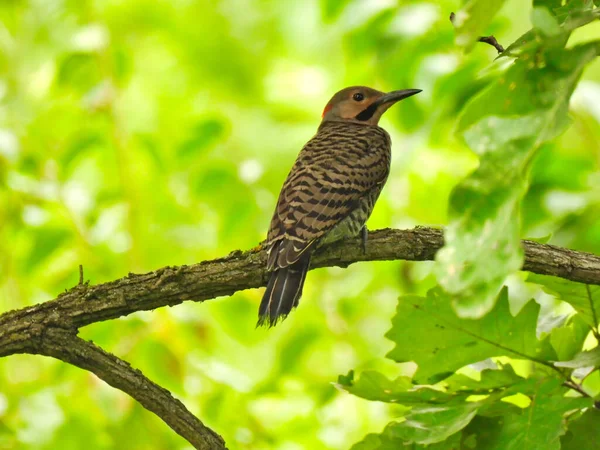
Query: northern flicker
(329, 193)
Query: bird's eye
(358, 97)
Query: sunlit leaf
(389, 440)
(489, 379)
(431, 424)
(374, 386)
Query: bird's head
(361, 104)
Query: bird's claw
(364, 234)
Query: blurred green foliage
(136, 134)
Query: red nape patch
(326, 110)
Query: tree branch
(31, 334)
(50, 328)
(66, 346)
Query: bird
(329, 193)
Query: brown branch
(576, 387)
(169, 286)
(46, 327)
(66, 346)
(49, 338)
(491, 40)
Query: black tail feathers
(283, 293)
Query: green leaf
(550, 4)
(584, 432)
(490, 379)
(428, 332)
(545, 22)
(584, 359)
(538, 427)
(577, 13)
(504, 125)
(472, 20)
(388, 440)
(568, 339)
(526, 43)
(373, 385)
(431, 424)
(573, 15)
(581, 17)
(583, 297)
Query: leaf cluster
(486, 378)
(490, 383)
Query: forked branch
(50, 328)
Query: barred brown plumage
(329, 193)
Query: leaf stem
(594, 315)
(576, 387)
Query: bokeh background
(136, 134)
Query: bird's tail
(283, 293)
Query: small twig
(491, 40)
(80, 275)
(576, 387)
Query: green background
(137, 134)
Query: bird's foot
(364, 234)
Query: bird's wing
(321, 190)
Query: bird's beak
(384, 102)
(395, 96)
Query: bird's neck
(349, 122)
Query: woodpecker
(329, 193)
